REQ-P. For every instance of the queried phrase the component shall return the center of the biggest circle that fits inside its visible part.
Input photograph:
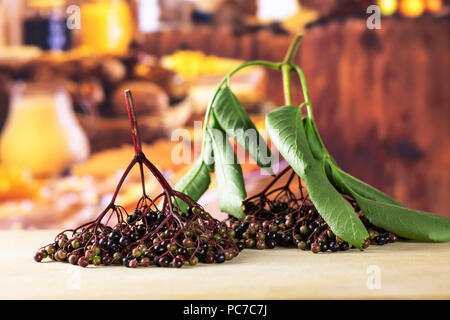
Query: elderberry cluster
(268, 224)
(147, 237)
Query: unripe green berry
(136, 252)
(96, 251)
(301, 245)
(117, 255)
(97, 260)
(193, 261)
(75, 244)
(304, 230)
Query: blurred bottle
(44, 25)
(106, 26)
(42, 133)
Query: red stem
(133, 122)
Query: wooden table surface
(404, 270)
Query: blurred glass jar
(45, 25)
(42, 133)
(106, 26)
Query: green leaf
(313, 141)
(208, 154)
(233, 118)
(407, 223)
(229, 178)
(334, 209)
(194, 183)
(286, 130)
(359, 186)
(364, 189)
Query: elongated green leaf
(286, 130)
(229, 178)
(407, 223)
(233, 118)
(208, 154)
(364, 189)
(334, 209)
(194, 183)
(359, 186)
(313, 141)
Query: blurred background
(380, 96)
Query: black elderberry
(313, 226)
(380, 240)
(114, 247)
(333, 246)
(124, 241)
(279, 238)
(127, 260)
(163, 261)
(114, 236)
(136, 215)
(270, 243)
(103, 243)
(183, 252)
(130, 219)
(134, 237)
(240, 246)
(239, 231)
(160, 217)
(204, 245)
(219, 257)
(160, 249)
(343, 246)
(271, 235)
(177, 263)
(140, 230)
(278, 220)
(112, 242)
(209, 258)
(323, 247)
(201, 253)
(169, 233)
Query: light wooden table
(405, 269)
